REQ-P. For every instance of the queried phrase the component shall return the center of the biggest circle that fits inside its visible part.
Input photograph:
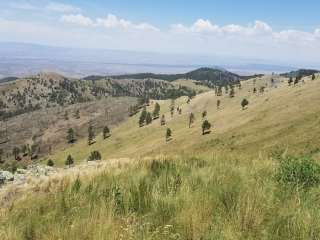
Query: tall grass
(188, 198)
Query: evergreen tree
(156, 111)
(219, 91)
(191, 119)
(24, 150)
(106, 132)
(168, 134)
(163, 120)
(16, 152)
(254, 90)
(313, 76)
(290, 81)
(91, 134)
(296, 81)
(142, 117)
(231, 95)
(95, 155)
(1, 155)
(50, 163)
(244, 103)
(69, 162)
(205, 126)
(204, 114)
(148, 118)
(218, 104)
(172, 106)
(71, 136)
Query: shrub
(50, 163)
(298, 172)
(95, 155)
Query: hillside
(37, 111)
(234, 130)
(47, 90)
(208, 76)
(251, 177)
(300, 73)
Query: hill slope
(222, 185)
(273, 118)
(211, 76)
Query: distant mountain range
(21, 59)
(300, 73)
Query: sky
(286, 31)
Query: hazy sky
(286, 31)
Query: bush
(50, 163)
(298, 172)
(95, 155)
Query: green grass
(184, 198)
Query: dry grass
(274, 118)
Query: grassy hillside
(273, 119)
(241, 181)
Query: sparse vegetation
(205, 127)
(91, 135)
(94, 156)
(69, 161)
(106, 132)
(168, 134)
(244, 103)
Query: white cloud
(110, 22)
(63, 8)
(205, 26)
(255, 40)
(78, 19)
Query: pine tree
(148, 118)
(91, 134)
(95, 155)
(71, 136)
(156, 111)
(16, 152)
(50, 163)
(1, 154)
(290, 81)
(244, 103)
(163, 120)
(142, 117)
(313, 77)
(204, 114)
(69, 162)
(218, 104)
(191, 119)
(168, 134)
(106, 132)
(231, 95)
(254, 90)
(205, 126)
(172, 106)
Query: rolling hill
(211, 76)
